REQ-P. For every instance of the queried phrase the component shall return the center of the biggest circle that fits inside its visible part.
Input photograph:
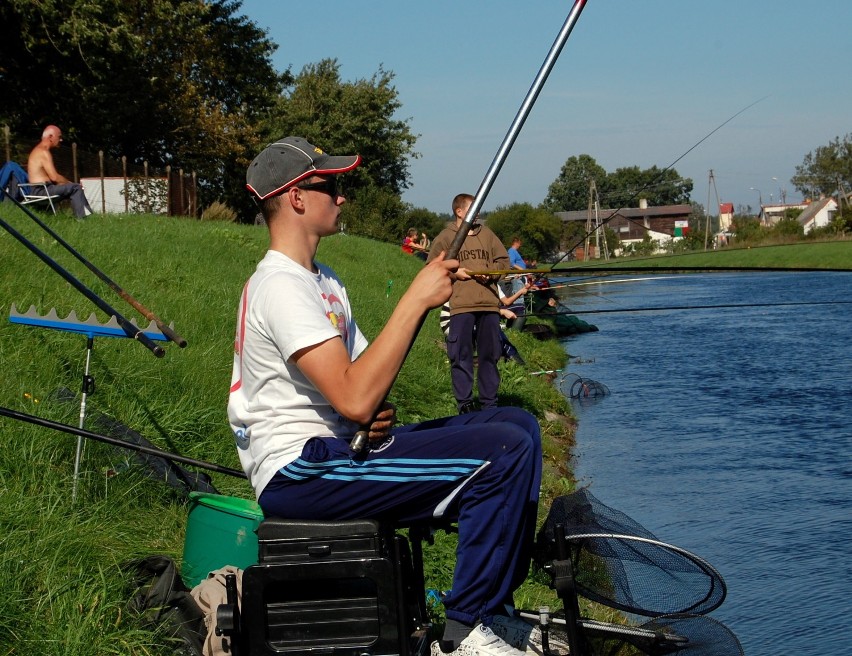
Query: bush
(219, 212)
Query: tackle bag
(164, 604)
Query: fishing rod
(515, 128)
(73, 430)
(362, 437)
(508, 272)
(129, 328)
(705, 268)
(669, 308)
(144, 311)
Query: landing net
(623, 565)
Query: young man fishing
(304, 381)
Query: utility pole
(594, 218)
(599, 227)
(711, 182)
(841, 195)
(588, 221)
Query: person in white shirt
(304, 380)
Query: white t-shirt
(273, 408)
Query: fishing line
(709, 269)
(659, 178)
(657, 258)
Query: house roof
(726, 208)
(813, 209)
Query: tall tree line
(187, 83)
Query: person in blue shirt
(516, 261)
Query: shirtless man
(40, 168)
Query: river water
(728, 432)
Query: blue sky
(639, 82)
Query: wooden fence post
(103, 183)
(6, 134)
(74, 173)
(169, 199)
(182, 195)
(147, 189)
(124, 174)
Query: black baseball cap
(287, 161)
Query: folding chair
(36, 192)
(15, 183)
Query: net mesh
(687, 635)
(577, 387)
(621, 564)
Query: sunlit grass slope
(64, 591)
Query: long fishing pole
(515, 128)
(700, 269)
(669, 308)
(659, 177)
(129, 329)
(73, 430)
(144, 311)
(362, 438)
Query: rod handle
(360, 442)
(171, 334)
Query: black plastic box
(332, 588)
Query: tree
(377, 213)
(825, 169)
(425, 221)
(349, 117)
(625, 186)
(538, 228)
(570, 190)
(788, 228)
(622, 188)
(179, 82)
(746, 229)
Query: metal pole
(515, 128)
(361, 439)
(87, 387)
(114, 441)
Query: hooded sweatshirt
(481, 251)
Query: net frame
(603, 547)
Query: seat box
(296, 541)
(324, 588)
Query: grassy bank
(804, 255)
(64, 591)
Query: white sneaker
(527, 638)
(481, 641)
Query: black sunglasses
(329, 187)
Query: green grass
(809, 255)
(64, 590)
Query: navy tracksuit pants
(482, 469)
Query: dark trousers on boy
(461, 345)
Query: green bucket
(220, 531)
